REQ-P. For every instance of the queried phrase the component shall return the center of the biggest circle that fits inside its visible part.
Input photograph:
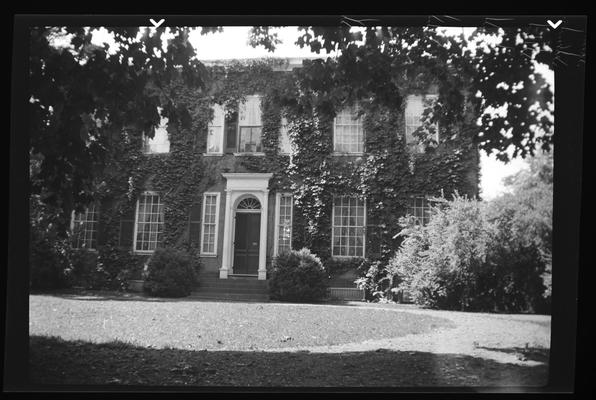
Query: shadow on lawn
(527, 354)
(122, 366)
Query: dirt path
(488, 336)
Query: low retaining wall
(343, 293)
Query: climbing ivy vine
(386, 175)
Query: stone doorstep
(229, 296)
(232, 285)
(231, 290)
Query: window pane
(348, 133)
(348, 226)
(250, 111)
(149, 222)
(215, 130)
(160, 142)
(284, 223)
(209, 223)
(284, 139)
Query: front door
(246, 243)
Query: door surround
(238, 187)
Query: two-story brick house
(257, 173)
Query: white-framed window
(149, 222)
(415, 105)
(160, 142)
(215, 131)
(348, 134)
(348, 232)
(250, 125)
(210, 223)
(284, 138)
(84, 226)
(419, 208)
(283, 223)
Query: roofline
(281, 63)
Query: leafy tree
(80, 93)
(471, 256)
(492, 73)
(526, 212)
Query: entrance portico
(247, 194)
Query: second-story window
(250, 125)
(160, 142)
(284, 138)
(348, 135)
(415, 106)
(215, 131)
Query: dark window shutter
(194, 231)
(127, 229)
(231, 126)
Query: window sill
(213, 154)
(249, 154)
(84, 249)
(208, 255)
(347, 257)
(142, 252)
(337, 154)
(156, 153)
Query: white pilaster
(227, 240)
(263, 239)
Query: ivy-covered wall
(386, 175)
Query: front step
(210, 287)
(228, 296)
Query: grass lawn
(212, 325)
(104, 339)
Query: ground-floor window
(210, 223)
(419, 208)
(149, 222)
(84, 226)
(348, 226)
(284, 223)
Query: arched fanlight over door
(249, 204)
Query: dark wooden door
(246, 243)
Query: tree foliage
(493, 71)
(81, 94)
(468, 257)
(525, 214)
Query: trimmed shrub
(84, 270)
(118, 265)
(297, 276)
(170, 273)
